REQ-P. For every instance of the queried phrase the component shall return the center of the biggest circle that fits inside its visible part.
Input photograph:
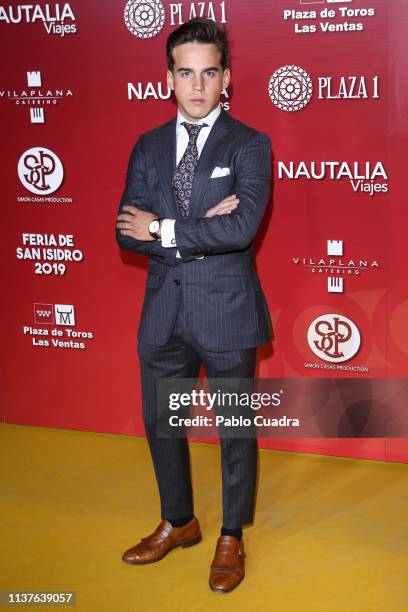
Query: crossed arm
(220, 230)
(135, 222)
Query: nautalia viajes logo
(57, 18)
(291, 88)
(363, 176)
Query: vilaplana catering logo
(146, 18)
(368, 177)
(63, 334)
(334, 338)
(57, 18)
(335, 266)
(291, 88)
(36, 97)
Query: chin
(199, 113)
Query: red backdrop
(82, 80)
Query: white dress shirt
(167, 226)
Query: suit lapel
(166, 165)
(166, 162)
(214, 144)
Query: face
(197, 79)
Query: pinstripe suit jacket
(222, 294)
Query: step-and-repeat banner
(326, 79)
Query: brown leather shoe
(228, 567)
(163, 540)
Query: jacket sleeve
(136, 194)
(233, 232)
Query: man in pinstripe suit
(196, 191)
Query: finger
(225, 203)
(224, 211)
(131, 209)
(231, 205)
(229, 201)
(220, 210)
(220, 206)
(125, 217)
(226, 207)
(228, 198)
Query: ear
(226, 78)
(170, 82)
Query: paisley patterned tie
(184, 175)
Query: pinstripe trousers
(181, 357)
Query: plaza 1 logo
(40, 170)
(34, 96)
(363, 177)
(146, 18)
(312, 17)
(335, 267)
(62, 335)
(52, 16)
(291, 88)
(333, 338)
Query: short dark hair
(201, 30)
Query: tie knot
(193, 129)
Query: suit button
(176, 281)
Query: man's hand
(135, 223)
(225, 207)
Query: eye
(211, 73)
(185, 73)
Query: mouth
(197, 100)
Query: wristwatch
(154, 228)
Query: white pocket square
(217, 172)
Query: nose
(198, 82)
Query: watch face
(154, 227)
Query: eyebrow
(205, 69)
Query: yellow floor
(330, 534)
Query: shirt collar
(210, 119)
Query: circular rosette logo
(290, 88)
(40, 170)
(144, 18)
(334, 338)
